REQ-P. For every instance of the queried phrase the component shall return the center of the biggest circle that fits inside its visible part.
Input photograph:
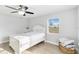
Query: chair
(64, 42)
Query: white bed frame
(18, 47)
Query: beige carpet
(42, 48)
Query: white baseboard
(52, 42)
(4, 41)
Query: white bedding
(34, 36)
(26, 40)
(28, 35)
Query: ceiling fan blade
(29, 12)
(14, 12)
(11, 7)
(24, 14)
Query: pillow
(65, 41)
(38, 28)
(70, 46)
(68, 42)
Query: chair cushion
(66, 41)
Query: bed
(21, 42)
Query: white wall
(78, 28)
(11, 25)
(67, 24)
(78, 23)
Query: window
(53, 25)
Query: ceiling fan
(21, 10)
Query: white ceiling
(38, 10)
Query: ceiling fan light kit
(21, 12)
